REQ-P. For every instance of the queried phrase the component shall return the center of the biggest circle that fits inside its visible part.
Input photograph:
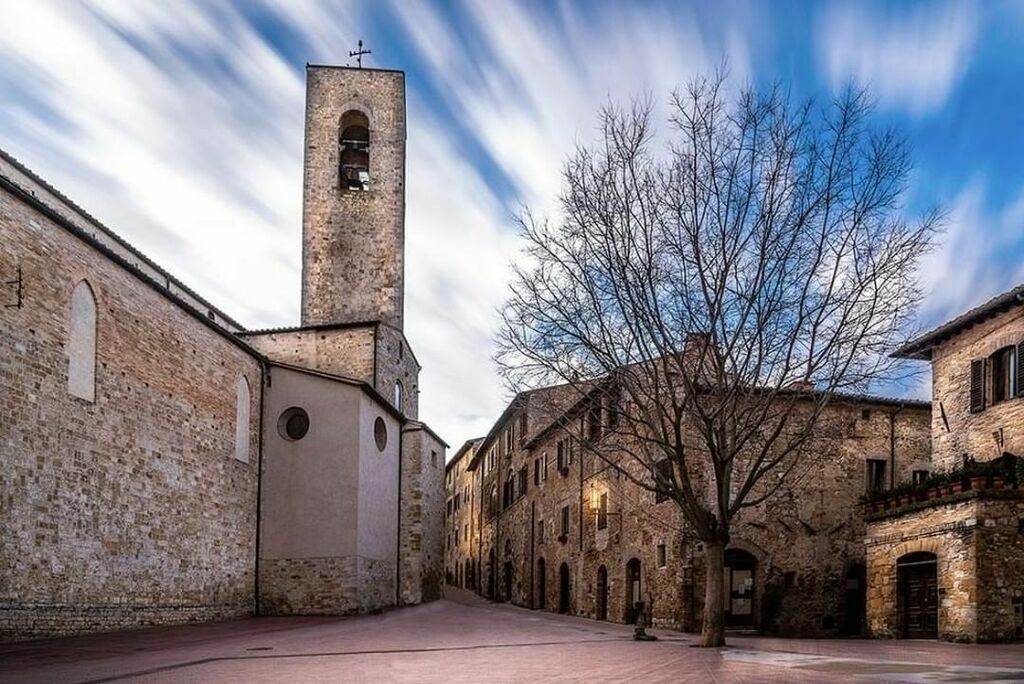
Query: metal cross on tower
(358, 54)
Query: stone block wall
(396, 362)
(421, 522)
(325, 586)
(956, 431)
(805, 541)
(131, 509)
(345, 351)
(980, 564)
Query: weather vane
(358, 54)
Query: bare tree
(719, 290)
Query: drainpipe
(398, 543)
(533, 552)
(264, 383)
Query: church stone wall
(344, 351)
(397, 363)
(421, 531)
(330, 508)
(131, 509)
(989, 433)
(353, 241)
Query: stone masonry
(353, 263)
(806, 544)
(130, 509)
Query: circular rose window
(293, 424)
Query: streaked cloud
(911, 60)
(180, 126)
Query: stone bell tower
(353, 203)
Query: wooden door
(919, 597)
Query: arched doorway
(602, 593)
(542, 584)
(632, 589)
(563, 588)
(855, 601)
(740, 569)
(491, 586)
(508, 571)
(918, 595)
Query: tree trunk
(713, 630)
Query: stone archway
(633, 595)
(740, 577)
(563, 588)
(602, 593)
(542, 584)
(854, 600)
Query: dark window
(380, 434)
(293, 424)
(875, 475)
(1004, 374)
(524, 480)
(663, 480)
(536, 471)
(662, 559)
(594, 422)
(919, 476)
(540, 531)
(865, 414)
(614, 407)
(508, 495)
(522, 425)
(565, 521)
(602, 512)
(564, 454)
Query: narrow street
(465, 639)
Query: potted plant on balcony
(935, 485)
(977, 474)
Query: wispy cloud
(911, 60)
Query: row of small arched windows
(82, 340)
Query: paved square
(464, 639)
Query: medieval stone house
(952, 565)
(557, 528)
(162, 464)
(940, 552)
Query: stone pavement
(464, 639)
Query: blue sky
(180, 126)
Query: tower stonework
(353, 212)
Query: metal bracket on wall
(16, 287)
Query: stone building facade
(561, 530)
(461, 520)
(162, 464)
(951, 565)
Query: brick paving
(464, 639)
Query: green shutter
(1020, 369)
(977, 385)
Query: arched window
(82, 343)
(354, 148)
(242, 419)
(398, 395)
